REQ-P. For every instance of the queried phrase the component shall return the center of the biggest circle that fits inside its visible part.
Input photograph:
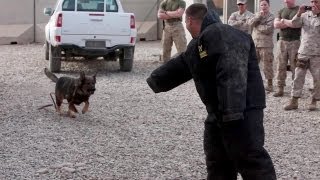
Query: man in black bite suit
(223, 64)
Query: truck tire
(54, 59)
(47, 51)
(126, 59)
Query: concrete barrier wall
(16, 21)
(16, 12)
(146, 17)
(144, 10)
(23, 21)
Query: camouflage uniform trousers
(287, 50)
(265, 55)
(311, 63)
(173, 32)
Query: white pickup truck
(89, 29)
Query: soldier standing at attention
(288, 44)
(240, 18)
(308, 18)
(171, 12)
(262, 24)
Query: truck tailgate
(96, 23)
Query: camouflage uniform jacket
(310, 34)
(240, 21)
(263, 29)
(224, 68)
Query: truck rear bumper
(83, 51)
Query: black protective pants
(237, 147)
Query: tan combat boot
(292, 105)
(313, 105)
(269, 86)
(280, 92)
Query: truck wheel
(54, 59)
(47, 51)
(126, 59)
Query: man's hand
(301, 10)
(175, 14)
(162, 14)
(262, 14)
(280, 23)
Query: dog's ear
(82, 76)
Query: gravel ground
(129, 132)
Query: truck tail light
(132, 22)
(59, 20)
(58, 38)
(132, 40)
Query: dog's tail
(50, 75)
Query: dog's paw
(72, 114)
(83, 111)
(58, 110)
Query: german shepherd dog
(75, 90)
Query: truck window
(68, 5)
(97, 6)
(111, 6)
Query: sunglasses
(240, 4)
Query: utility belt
(289, 39)
(172, 22)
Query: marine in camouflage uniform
(309, 54)
(240, 19)
(262, 24)
(171, 12)
(228, 80)
(287, 45)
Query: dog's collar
(79, 91)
